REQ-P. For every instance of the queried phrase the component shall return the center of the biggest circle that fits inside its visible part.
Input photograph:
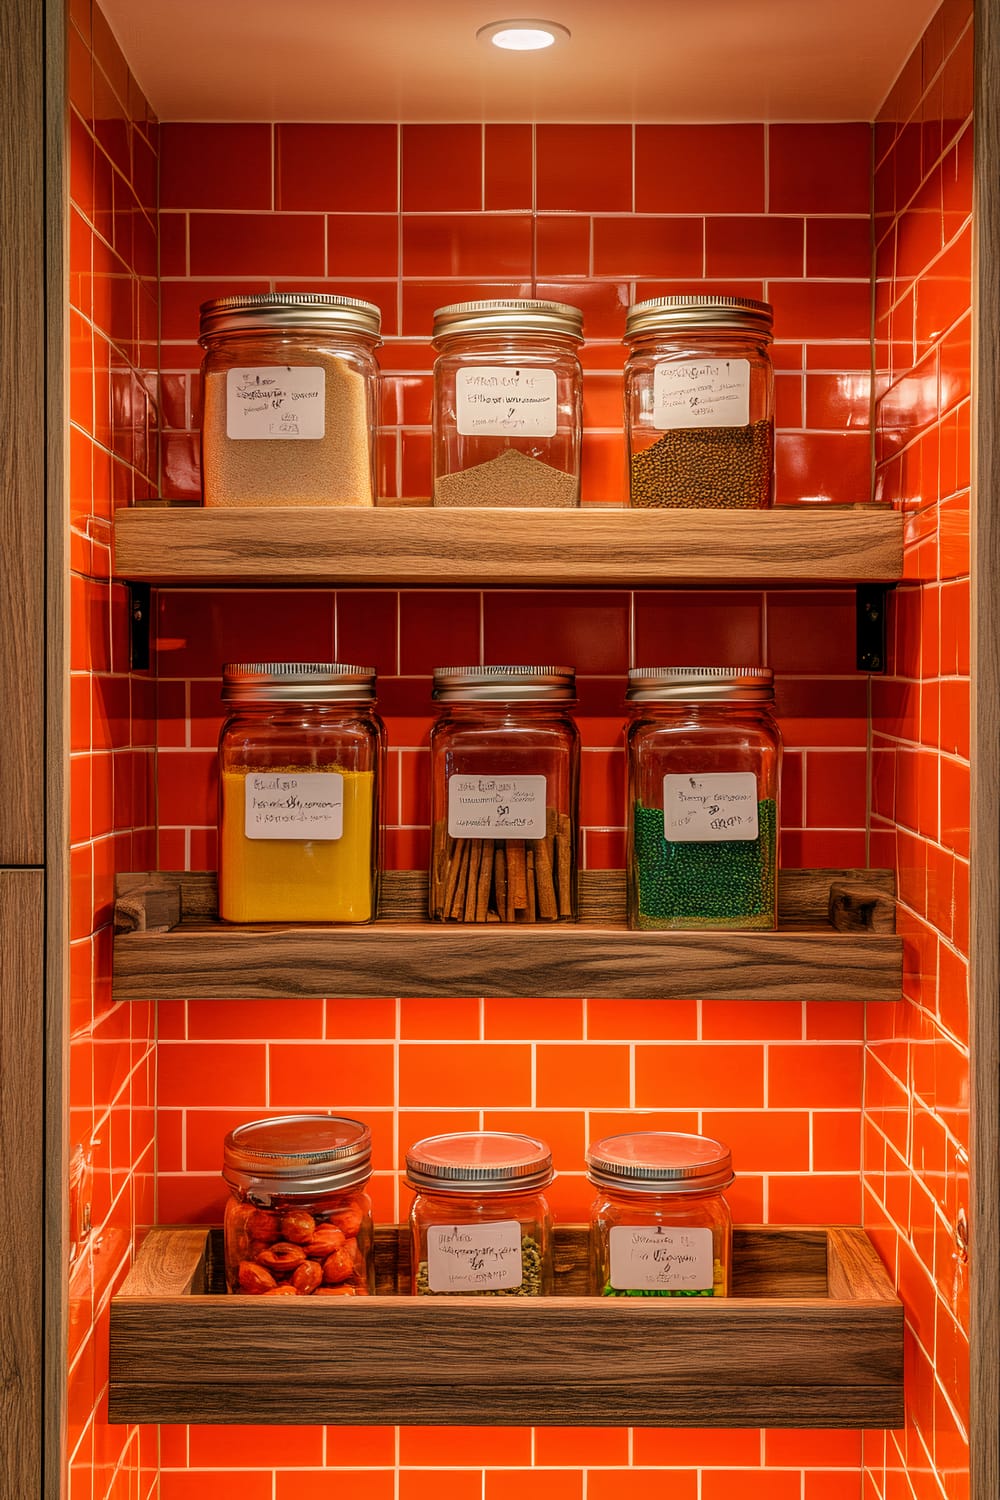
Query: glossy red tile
(256, 244)
(338, 168)
(467, 245)
(631, 247)
(215, 166)
(699, 168)
(442, 168)
(819, 168)
(583, 168)
(507, 167)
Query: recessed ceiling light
(523, 36)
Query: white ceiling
(419, 60)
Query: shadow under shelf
(835, 942)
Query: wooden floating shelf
(836, 942)
(812, 1337)
(428, 546)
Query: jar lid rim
(509, 683)
(479, 1160)
(292, 682)
(660, 1160)
(315, 311)
(700, 684)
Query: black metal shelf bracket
(870, 622)
(140, 615)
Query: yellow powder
(296, 880)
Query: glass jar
(699, 403)
(480, 1221)
(289, 400)
(505, 759)
(660, 1226)
(508, 404)
(299, 1222)
(300, 773)
(704, 760)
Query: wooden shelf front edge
(437, 547)
(194, 956)
(819, 1357)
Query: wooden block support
(861, 908)
(790, 1348)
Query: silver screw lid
(509, 315)
(700, 685)
(297, 1153)
(660, 1161)
(669, 314)
(274, 312)
(297, 682)
(479, 1161)
(504, 684)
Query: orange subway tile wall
(916, 1116)
(875, 772)
(113, 334)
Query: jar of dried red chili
(299, 1222)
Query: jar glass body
(465, 1244)
(722, 458)
(289, 418)
(507, 419)
(532, 750)
(302, 1242)
(721, 880)
(669, 1244)
(268, 754)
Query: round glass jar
(298, 1221)
(289, 382)
(660, 1225)
(480, 1220)
(505, 756)
(508, 404)
(300, 772)
(704, 761)
(699, 403)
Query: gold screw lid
(273, 312)
(509, 315)
(504, 684)
(660, 1161)
(670, 314)
(297, 682)
(314, 1153)
(700, 685)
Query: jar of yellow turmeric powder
(300, 760)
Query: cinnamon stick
(516, 875)
(548, 904)
(456, 906)
(485, 880)
(500, 879)
(564, 864)
(472, 889)
(529, 882)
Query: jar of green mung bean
(699, 403)
(704, 759)
(660, 1225)
(480, 1223)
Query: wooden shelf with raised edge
(811, 1337)
(835, 941)
(432, 547)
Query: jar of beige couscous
(290, 400)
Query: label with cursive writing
(279, 805)
(474, 1257)
(713, 809)
(487, 807)
(661, 1258)
(496, 400)
(276, 401)
(701, 393)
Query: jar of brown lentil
(660, 1225)
(289, 400)
(505, 756)
(299, 1221)
(480, 1222)
(699, 403)
(508, 403)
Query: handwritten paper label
(276, 401)
(495, 400)
(660, 1258)
(713, 809)
(282, 806)
(701, 393)
(474, 1257)
(506, 807)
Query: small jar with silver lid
(298, 1222)
(300, 771)
(660, 1225)
(508, 403)
(505, 755)
(704, 761)
(480, 1221)
(699, 402)
(289, 399)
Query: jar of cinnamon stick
(505, 758)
